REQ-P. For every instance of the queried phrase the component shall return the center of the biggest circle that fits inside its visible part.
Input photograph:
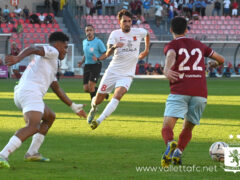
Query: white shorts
(28, 101)
(234, 12)
(110, 81)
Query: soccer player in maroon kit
(185, 69)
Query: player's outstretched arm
(169, 62)
(146, 51)
(37, 50)
(217, 60)
(77, 108)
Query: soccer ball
(216, 151)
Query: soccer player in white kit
(28, 96)
(125, 44)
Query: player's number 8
(104, 87)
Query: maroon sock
(167, 134)
(184, 138)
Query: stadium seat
(35, 35)
(109, 21)
(100, 17)
(49, 26)
(112, 17)
(3, 25)
(31, 30)
(36, 26)
(30, 25)
(14, 35)
(5, 30)
(99, 26)
(38, 30)
(21, 21)
(42, 35)
(56, 26)
(43, 25)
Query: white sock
(109, 109)
(37, 141)
(11, 146)
(93, 101)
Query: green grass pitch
(128, 140)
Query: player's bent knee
(33, 128)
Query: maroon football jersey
(190, 64)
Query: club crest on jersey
(134, 38)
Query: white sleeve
(50, 52)
(112, 39)
(142, 32)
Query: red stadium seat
(106, 26)
(112, 17)
(35, 35)
(106, 17)
(52, 15)
(49, 26)
(98, 21)
(214, 31)
(89, 17)
(100, 17)
(36, 26)
(56, 25)
(31, 41)
(109, 21)
(43, 25)
(21, 21)
(52, 30)
(42, 36)
(38, 30)
(45, 30)
(30, 25)
(14, 35)
(17, 41)
(220, 31)
(31, 30)
(3, 25)
(6, 30)
(99, 26)
(211, 27)
(38, 41)
(28, 35)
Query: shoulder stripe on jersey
(211, 53)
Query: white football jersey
(125, 58)
(40, 72)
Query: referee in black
(94, 52)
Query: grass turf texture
(129, 138)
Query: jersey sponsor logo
(181, 76)
(129, 47)
(193, 76)
(91, 49)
